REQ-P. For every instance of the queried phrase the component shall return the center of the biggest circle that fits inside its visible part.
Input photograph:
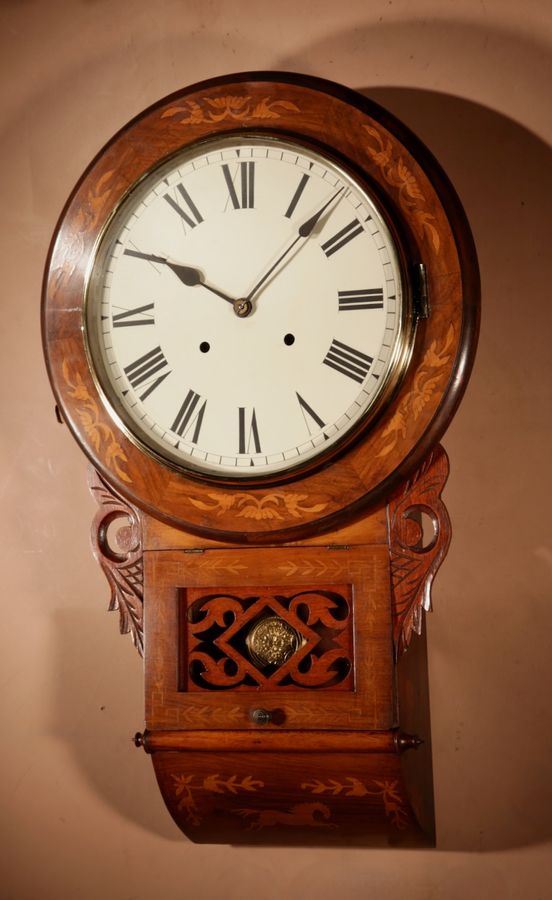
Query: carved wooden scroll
(117, 546)
(419, 537)
(267, 638)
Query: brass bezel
(396, 369)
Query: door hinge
(338, 547)
(420, 295)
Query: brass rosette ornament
(272, 641)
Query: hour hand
(188, 275)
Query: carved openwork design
(419, 537)
(267, 638)
(116, 543)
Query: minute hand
(305, 231)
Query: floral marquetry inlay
(271, 506)
(397, 174)
(269, 514)
(236, 108)
(426, 384)
(387, 791)
(100, 435)
(186, 788)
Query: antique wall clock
(260, 312)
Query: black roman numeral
(246, 197)
(248, 432)
(369, 298)
(297, 195)
(140, 315)
(309, 414)
(193, 217)
(145, 368)
(189, 415)
(348, 361)
(335, 243)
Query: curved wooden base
(306, 747)
(294, 798)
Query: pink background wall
(81, 813)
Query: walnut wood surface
(119, 555)
(365, 704)
(217, 628)
(312, 736)
(184, 539)
(305, 798)
(371, 529)
(434, 231)
(412, 693)
(415, 558)
(271, 741)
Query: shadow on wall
(109, 704)
(490, 648)
(489, 640)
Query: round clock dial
(246, 310)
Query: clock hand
(188, 275)
(305, 230)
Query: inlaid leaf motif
(272, 506)
(426, 382)
(99, 433)
(185, 787)
(237, 107)
(399, 176)
(394, 804)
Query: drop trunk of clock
(270, 540)
(286, 689)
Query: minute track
(302, 325)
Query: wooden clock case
(331, 742)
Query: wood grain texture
(430, 228)
(325, 766)
(218, 629)
(415, 557)
(366, 570)
(371, 529)
(117, 546)
(304, 731)
(281, 741)
(312, 799)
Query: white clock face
(246, 309)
